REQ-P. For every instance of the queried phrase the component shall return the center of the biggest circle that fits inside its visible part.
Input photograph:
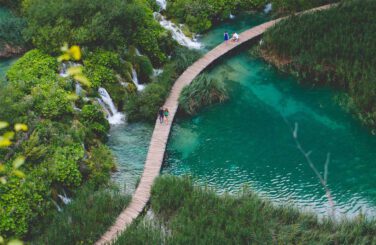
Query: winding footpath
(157, 147)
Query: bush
(34, 65)
(95, 123)
(65, 165)
(203, 91)
(100, 163)
(50, 101)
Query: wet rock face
(7, 51)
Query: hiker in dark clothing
(161, 115)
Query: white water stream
(136, 82)
(114, 117)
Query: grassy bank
(82, 221)
(334, 47)
(186, 214)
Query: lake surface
(248, 140)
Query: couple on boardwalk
(234, 38)
(163, 115)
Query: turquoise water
(248, 140)
(129, 143)
(5, 64)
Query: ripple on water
(247, 141)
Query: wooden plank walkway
(157, 147)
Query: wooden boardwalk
(157, 147)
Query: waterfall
(162, 4)
(231, 16)
(78, 89)
(139, 86)
(157, 72)
(268, 8)
(63, 70)
(66, 200)
(176, 32)
(113, 116)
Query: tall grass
(334, 47)
(82, 221)
(191, 215)
(203, 91)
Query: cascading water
(64, 69)
(175, 30)
(162, 4)
(78, 89)
(268, 8)
(157, 72)
(139, 86)
(113, 115)
(65, 199)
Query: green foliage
(32, 67)
(11, 28)
(200, 15)
(144, 106)
(105, 69)
(95, 123)
(193, 215)
(20, 202)
(84, 220)
(334, 47)
(292, 6)
(51, 101)
(203, 91)
(100, 163)
(58, 139)
(144, 68)
(112, 24)
(65, 168)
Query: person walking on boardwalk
(166, 113)
(161, 115)
(226, 37)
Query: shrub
(34, 65)
(96, 124)
(203, 91)
(64, 166)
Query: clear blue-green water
(129, 143)
(248, 140)
(5, 64)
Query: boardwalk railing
(161, 132)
